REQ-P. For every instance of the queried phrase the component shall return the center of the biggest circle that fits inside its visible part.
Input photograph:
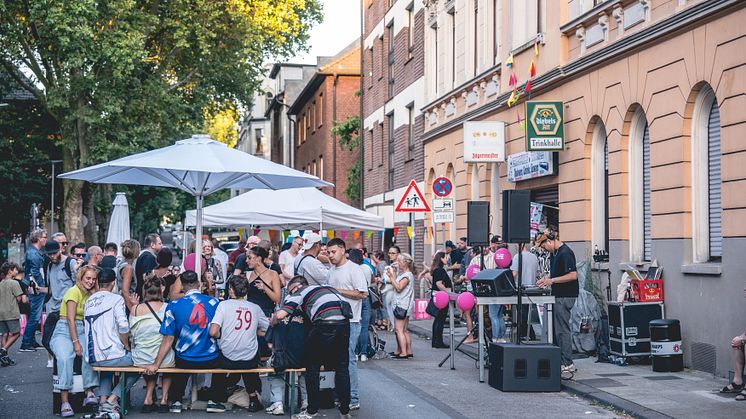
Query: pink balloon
(503, 259)
(466, 301)
(190, 260)
(440, 299)
(471, 271)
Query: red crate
(647, 290)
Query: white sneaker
(569, 368)
(354, 405)
(305, 415)
(363, 358)
(275, 409)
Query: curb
(582, 390)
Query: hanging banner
(536, 212)
(530, 165)
(545, 128)
(484, 142)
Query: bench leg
(293, 393)
(123, 395)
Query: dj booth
(496, 286)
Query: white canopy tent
(286, 209)
(199, 166)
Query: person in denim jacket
(37, 287)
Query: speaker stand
(519, 291)
(458, 346)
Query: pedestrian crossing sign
(413, 200)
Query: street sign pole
(411, 239)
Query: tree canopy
(118, 76)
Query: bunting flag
(513, 98)
(532, 69)
(509, 61)
(536, 48)
(429, 232)
(527, 88)
(410, 232)
(300, 232)
(241, 234)
(257, 231)
(330, 234)
(369, 234)
(396, 231)
(315, 231)
(356, 234)
(343, 234)
(513, 80)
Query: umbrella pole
(198, 245)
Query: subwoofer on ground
(534, 368)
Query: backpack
(69, 267)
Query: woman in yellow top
(67, 341)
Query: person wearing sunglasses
(60, 238)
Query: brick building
(328, 96)
(393, 94)
(654, 112)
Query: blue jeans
(106, 379)
(498, 323)
(354, 334)
(29, 334)
(362, 342)
(64, 353)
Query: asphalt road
(414, 388)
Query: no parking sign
(442, 186)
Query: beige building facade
(653, 167)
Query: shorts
(10, 326)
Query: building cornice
(653, 34)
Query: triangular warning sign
(413, 200)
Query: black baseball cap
(51, 247)
(106, 276)
(108, 262)
(496, 239)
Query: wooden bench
(292, 381)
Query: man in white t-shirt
(313, 263)
(349, 281)
(287, 259)
(107, 338)
(236, 324)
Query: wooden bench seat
(291, 383)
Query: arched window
(600, 188)
(707, 237)
(640, 238)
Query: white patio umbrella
(199, 166)
(119, 224)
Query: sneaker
(66, 411)
(213, 407)
(50, 363)
(305, 415)
(37, 345)
(5, 361)
(90, 400)
(175, 407)
(569, 368)
(28, 349)
(354, 405)
(363, 358)
(255, 405)
(275, 408)
(3, 352)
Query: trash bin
(665, 345)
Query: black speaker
(494, 283)
(524, 367)
(478, 223)
(516, 216)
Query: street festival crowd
(306, 305)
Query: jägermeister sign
(545, 126)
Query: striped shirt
(318, 302)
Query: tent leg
(198, 245)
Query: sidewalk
(634, 389)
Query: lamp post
(51, 207)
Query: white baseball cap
(309, 239)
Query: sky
(340, 27)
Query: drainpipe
(291, 149)
(334, 136)
(361, 129)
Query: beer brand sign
(545, 126)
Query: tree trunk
(105, 191)
(89, 199)
(72, 215)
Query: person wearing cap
(312, 264)
(60, 276)
(36, 282)
(107, 338)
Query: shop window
(706, 180)
(640, 238)
(600, 188)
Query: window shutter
(648, 242)
(715, 205)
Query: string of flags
(287, 235)
(517, 89)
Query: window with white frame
(600, 188)
(640, 218)
(410, 131)
(524, 21)
(410, 29)
(707, 233)
(496, 27)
